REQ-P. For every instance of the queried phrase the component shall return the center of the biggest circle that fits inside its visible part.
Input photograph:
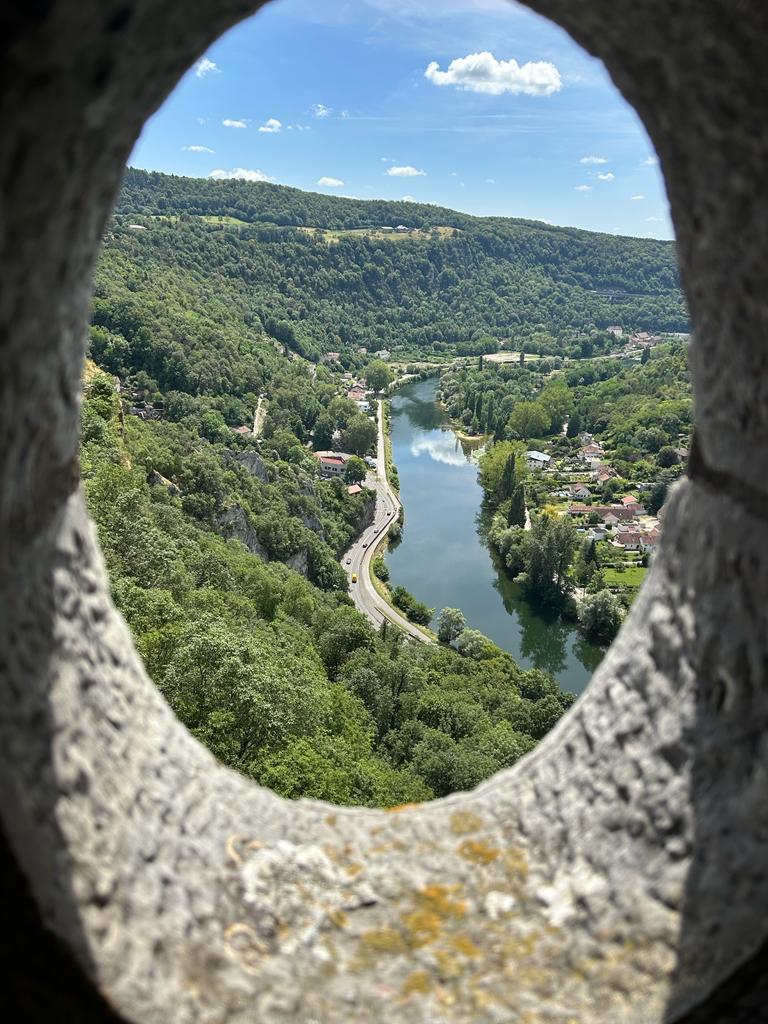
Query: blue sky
(478, 105)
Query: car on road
(349, 561)
(389, 514)
(354, 577)
(365, 543)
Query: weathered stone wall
(619, 872)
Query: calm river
(442, 559)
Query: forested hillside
(284, 681)
(340, 287)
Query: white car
(349, 561)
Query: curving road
(357, 559)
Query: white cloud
(583, 188)
(454, 174)
(651, 161)
(408, 199)
(202, 120)
(490, 181)
(654, 220)
(445, 449)
(593, 160)
(320, 110)
(608, 176)
(327, 182)
(387, 160)
(229, 122)
(405, 172)
(635, 198)
(344, 113)
(197, 149)
(481, 72)
(271, 125)
(203, 66)
(239, 174)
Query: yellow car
(354, 577)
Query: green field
(631, 577)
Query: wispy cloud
(406, 172)
(408, 199)
(490, 181)
(654, 220)
(651, 161)
(327, 182)
(198, 149)
(271, 125)
(637, 197)
(230, 122)
(583, 188)
(320, 110)
(593, 160)
(240, 174)
(204, 66)
(607, 176)
(482, 72)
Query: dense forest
(311, 272)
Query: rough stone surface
(253, 463)
(617, 873)
(234, 522)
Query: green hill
(346, 283)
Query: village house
(580, 491)
(576, 508)
(631, 540)
(650, 541)
(242, 431)
(383, 353)
(592, 452)
(602, 473)
(356, 394)
(629, 501)
(642, 339)
(331, 357)
(617, 331)
(331, 463)
(537, 460)
(354, 489)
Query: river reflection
(442, 559)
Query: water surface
(442, 559)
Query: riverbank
(442, 559)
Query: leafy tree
(550, 548)
(473, 644)
(380, 568)
(355, 470)
(600, 616)
(359, 435)
(450, 623)
(378, 375)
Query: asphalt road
(357, 559)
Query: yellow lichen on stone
(464, 945)
(516, 863)
(417, 983)
(478, 852)
(423, 926)
(463, 822)
(384, 940)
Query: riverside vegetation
(223, 549)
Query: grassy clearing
(632, 576)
